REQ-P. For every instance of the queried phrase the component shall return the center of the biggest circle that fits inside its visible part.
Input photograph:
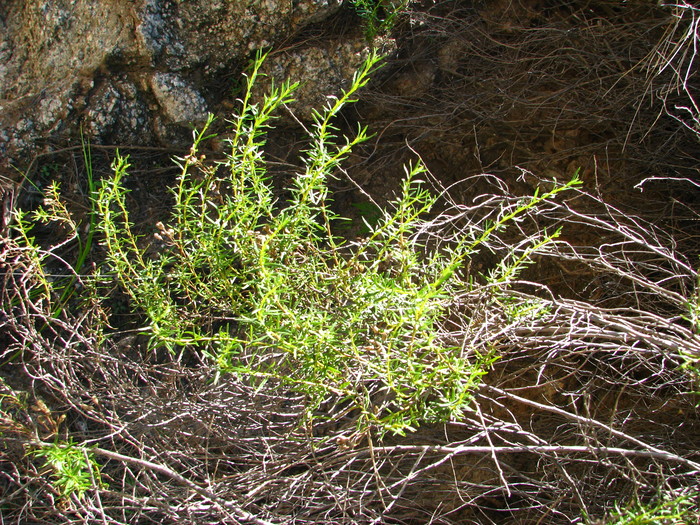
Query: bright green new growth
(75, 469)
(666, 510)
(269, 291)
(379, 15)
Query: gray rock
(136, 71)
(179, 100)
(323, 70)
(117, 113)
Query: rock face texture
(138, 72)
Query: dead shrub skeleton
(589, 404)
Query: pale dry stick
(162, 469)
(572, 484)
(650, 451)
(448, 457)
(538, 441)
(681, 47)
(659, 332)
(493, 454)
(93, 482)
(377, 475)
(404, 482)
(640, 185)
(542, 449)
(626, 231)
(324, 474)
(23, 487)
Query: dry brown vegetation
(592, 402)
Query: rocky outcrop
(137, 72)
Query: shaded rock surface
(139, 72)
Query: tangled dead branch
(488, 88)
(591, 402)
(580, 412)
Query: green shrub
(269, 291)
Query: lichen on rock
(179, 100)
(138, 71)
